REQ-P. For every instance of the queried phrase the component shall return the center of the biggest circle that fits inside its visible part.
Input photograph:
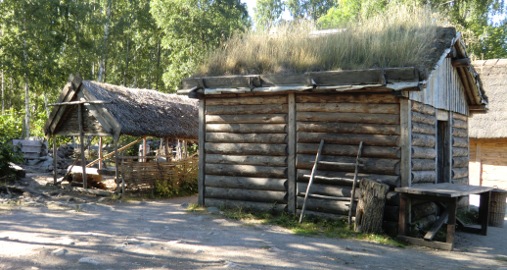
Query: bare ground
(57, 229)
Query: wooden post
(81, 141)
(55, 161)
(406, 142)
(370, 208)
(100, 153)
(116, 165)
(202, 152)
(291, 159)
(353, 195)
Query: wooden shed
(488, 132)
(89, 108)
(259, 134)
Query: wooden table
(448, 194)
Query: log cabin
(259, 134)
(488, 132)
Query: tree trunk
(370, 208)
(102, 63)
(3, 94)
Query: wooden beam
(406, 142)
(291, 157)
(202, 153)
(81, 140)
(463, 62)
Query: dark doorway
(443, 155)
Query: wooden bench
(447, 194)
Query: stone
(59, 252)
(88, 260)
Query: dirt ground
(47, 228)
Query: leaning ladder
(314, 172)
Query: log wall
(460, 149)
(343, 121)
(246, 152)
(423, 163)
(488, 162)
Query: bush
(10, 128)
(183, 180)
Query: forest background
(155, 44)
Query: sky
(251, 5)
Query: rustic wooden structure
(258, 134)
(88, 108)
(488, 132)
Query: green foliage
(193, 27)
(308, 9)
(183, 181)
(400, 37)
(267, 13)
(10, 128)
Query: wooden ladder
(313, 175)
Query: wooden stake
(312, 175)
(81, 142)
(356, 169)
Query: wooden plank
(459, 132)
(349, 128)
(423, 128)
(246, 137)
(422, 108)
(246, 182)
(459, 142)
(245, 194)
(350, 150)
(246, 100)
(422, 242)
(443, 190)
(333, 138)
(246, 149)
(348, 108)
(346, 77)
(246, 128)
(391, 180)
(432, 232)
(247, 119)
(419, 177)
(371, 165)
(368, 118)
(459, 152)
(460, 162)
(246, 170)
(337, 191)
(418, 117)
(457, 123)
(291, 153)
(350, 98)
(247, 109)
(247, 159)
(459, 172)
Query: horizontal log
(246, 170)
(366, 118)
(459, 152)
(246, 137)
(246, 128)
(349, 150)
(246, 109)
(460, 162)
(461, 181)
(370, 165)
(459, 172)
(349, 128)
(337, 191)
(423, 128)
(245, 194)
(367, 139)
(423, 152)
(237, 182)
(348, 108)
(423, 140)
(240, 204)
(423, 164)
(459, 132)
(423, 118)
(419, 177)
(423, 108)
(325, 206)
(247, 100)
(247, 119)
(459, 142)
(247, 159)
(353, 98)
(246, 149)
(460, 124)
(461, 117)
(424, 209)
(391, 180)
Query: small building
(89, 108)
(488, 132)
(259, 134)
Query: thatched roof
(116, 110)
(492, 125)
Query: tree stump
(370, 208)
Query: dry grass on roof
(398, 38)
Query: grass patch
(194, 207)
(400, 37)
(311, 226)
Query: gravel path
(80, 233)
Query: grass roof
(400, 37)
